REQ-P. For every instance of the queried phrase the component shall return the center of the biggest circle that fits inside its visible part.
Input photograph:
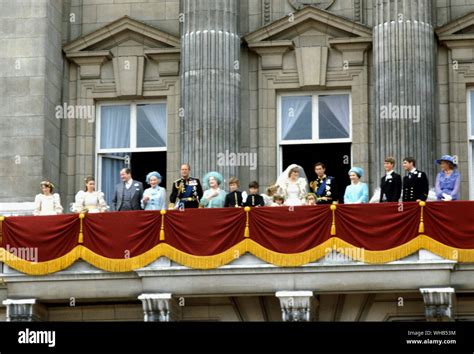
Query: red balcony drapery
(209, 238)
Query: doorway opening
(336, 157)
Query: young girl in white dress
(293, 185)
(47, 203)
(89, 200)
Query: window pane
(296, 118)
(334, 117)
(472, 113)
(110, 174)
(114, 127)
(151, 125)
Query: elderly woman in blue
(213, 196)
(448, 180)
(357, 192)
(154, 198)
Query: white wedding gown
(293, 195)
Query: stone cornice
(312, 14)
(123, 24)
(272, 52)
(89, 62)
(168, 60)
(456, 25)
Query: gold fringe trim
(291, 259)
(235, 252)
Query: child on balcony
(254, 199)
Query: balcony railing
(211, 238)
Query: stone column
(31, 64)
(24, 310)
(438, 304)
(210, 84)
(404, 120)
(159, 307)
(297, 306)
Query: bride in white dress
(293, 185)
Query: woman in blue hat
(448, 181)
(357, 192)
(154, 198)
(214, 196)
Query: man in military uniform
(391, 183)
(415, 183)
(187, 189)
(324, 187)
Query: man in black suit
(391, 183)
(128, 194)
(415, 183)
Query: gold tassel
(421, 228)
(2, 218)
(81, 234)
(333, 226)
(162, 229)
(247, 229)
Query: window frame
(314, 118)
(101, 153)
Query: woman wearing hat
(213, 196)
(154, 198)
(448, 180)
(357, 192)
(47, 203)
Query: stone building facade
(295, 81)
(272, 81)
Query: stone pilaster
(159, 307)
(297, 306)
(210, 84)
(24, 310)
(438, 304)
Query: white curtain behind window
(296, 120)
(334, 122)
(111, 166)
(151, 125)
(115, 127)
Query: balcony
(376, 249)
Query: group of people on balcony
(291, 189)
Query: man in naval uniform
(391, 183)
(187, 189)
(324, 187)
(415, 183)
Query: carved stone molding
(24, 310)
(168, 60)
(321, 4)
(159, 307)
(272, 52)
(438, 304)
(89, 62)
(297, 306)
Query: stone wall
(31, 70)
